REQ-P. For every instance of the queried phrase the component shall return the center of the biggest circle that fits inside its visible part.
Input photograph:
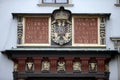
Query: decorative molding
(102, 31)
(20, 29)
(116, 41)
(117, 5)
(55, 5)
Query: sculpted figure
(77, 66)
(45, 65)
(61, 66)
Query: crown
(61, 13)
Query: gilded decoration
(61, 32)
(92, 66)
(61, 66)
(15, 67)
(77, 66)
(29, 66)
(45, 66)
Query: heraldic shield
(61, 31)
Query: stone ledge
(55, 5)
(117, 5)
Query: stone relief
(61, 66)
(45, 66)
(61, 31)
(77, 66)
(29, 66)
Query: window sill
(117, 5)
(55, 5)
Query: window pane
(48, 1)
(61, 1)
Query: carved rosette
(61, 32)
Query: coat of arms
(61, 32)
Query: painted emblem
(61, 32)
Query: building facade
(59, 39)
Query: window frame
(55, 2)
(117, 3)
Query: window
(55, 1)
(117, 3)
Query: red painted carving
(86, 30)
(36, 30)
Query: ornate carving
(102, 30)
(29, 66)
(77, 66)
(45, 66)
(61, 66)
(61, 32)
(15, 67)
(92, 66)
(107, 67)
(20, 29)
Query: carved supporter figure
(61, 66)
(77, 66)
(45, 66)
(29, 66)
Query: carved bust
(45, 66)
(77, 66)
(61, 66)
(29, 66)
